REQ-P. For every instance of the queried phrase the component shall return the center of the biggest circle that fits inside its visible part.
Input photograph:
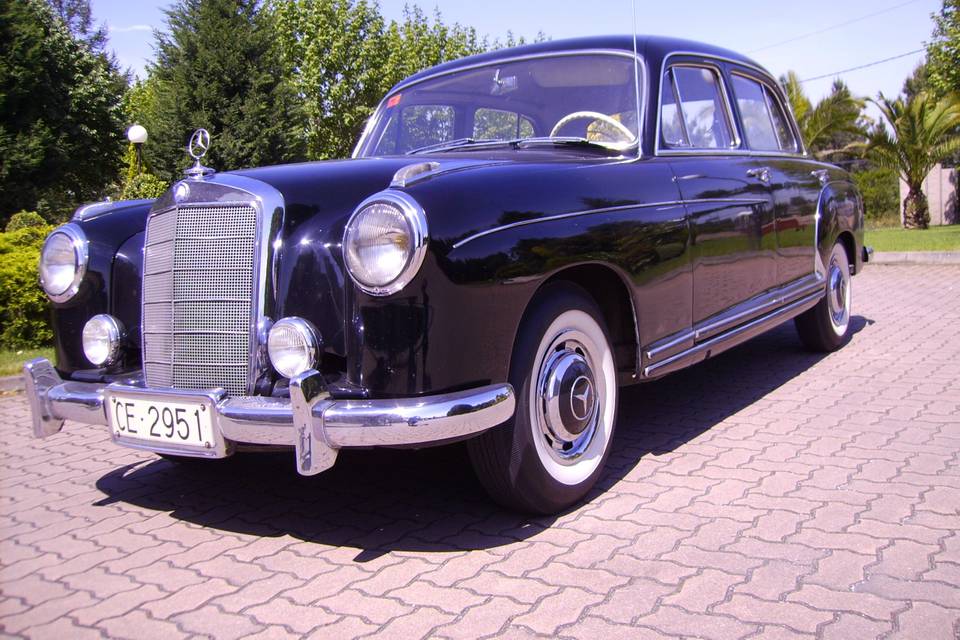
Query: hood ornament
(197, 148)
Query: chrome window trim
(658, 151)
(768, 93)
(269, 205)
(585, 212)
(416, 217)
(736, 140)
(81, 253)
(639, 63)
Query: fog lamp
(293, 344)
(101, 340)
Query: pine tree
(218, 67)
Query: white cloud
(131, 28)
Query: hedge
(24, 308)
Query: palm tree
(830, 126)
(924, 132)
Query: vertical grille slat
(199, 265)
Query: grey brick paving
(769, 493)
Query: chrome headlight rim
(114, 334)
(81, 257)
(416, 221)
(307, 333)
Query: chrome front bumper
(312, 422)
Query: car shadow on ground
(379, 501)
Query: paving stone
(766, 493)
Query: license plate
(179, 424)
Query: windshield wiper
(442, 146)
(516, 143)
(560, 141)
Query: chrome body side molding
(732, 338)
(731, 327)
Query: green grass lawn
(945, 238)
(11, 362)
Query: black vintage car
(518, 235)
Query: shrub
(25, 219)
(880, 189)
(145, 185)
(24, 309)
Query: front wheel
(826, 327)
(554, 449)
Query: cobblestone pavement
(768, 493)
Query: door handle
(760, 173)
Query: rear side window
(693, 110)
(765, 125)
(425, 125)
(496, 124)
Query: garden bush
(143, 186)
(880, 189)
(25, 219)
(24, 309)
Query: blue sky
(777, 34)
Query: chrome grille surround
(208, 286)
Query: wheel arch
(611, 293)
(840, 215)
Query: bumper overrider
(310, 421)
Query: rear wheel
(826, 327)
(554, 449)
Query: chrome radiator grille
(198, 272)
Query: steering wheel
(593, 115)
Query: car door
(726, 193)
(769, 132)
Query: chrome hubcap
(569, 399)
(839, 296)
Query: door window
(700, 121)
(765, 124)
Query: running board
(732, 337)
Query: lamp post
(137, 135)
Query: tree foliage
(922, 133)
(218, 67)
(77, 15)
(943, 51)
(831, 125)
(60, 119)
(343, 57)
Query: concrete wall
(941, 189)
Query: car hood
(462, 195)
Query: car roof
(652, 48)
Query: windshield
(588, 97)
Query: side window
(701, 121)
(765, 125)
(496, 124)
(424, 124)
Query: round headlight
(385, 242)
(63, 262)
(101, 339)
(293, 345)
